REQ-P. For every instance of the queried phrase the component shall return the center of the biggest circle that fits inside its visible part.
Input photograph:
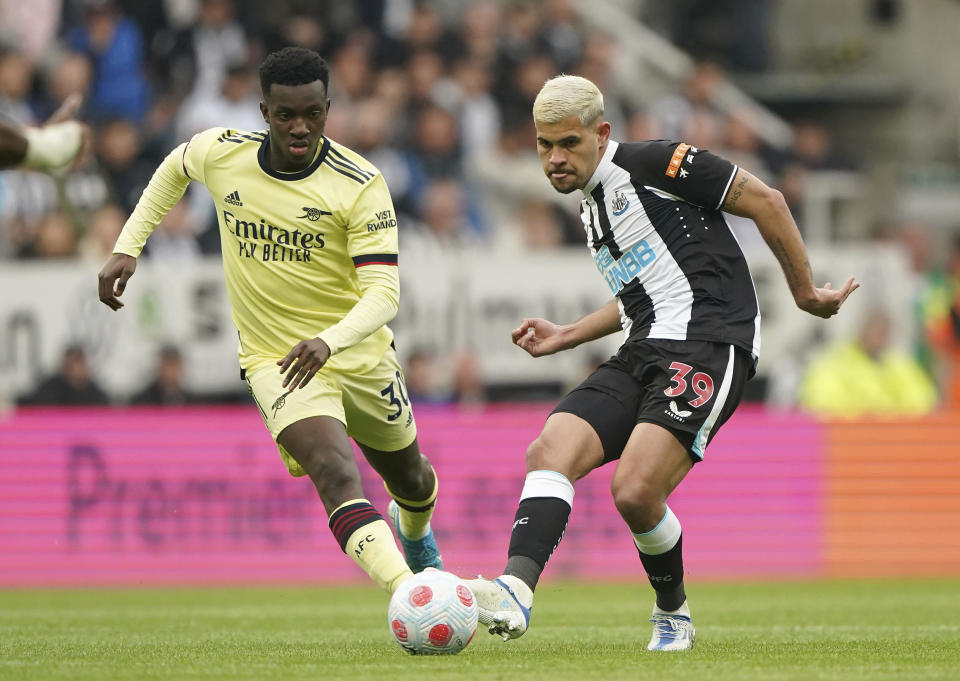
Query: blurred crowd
(437, 95)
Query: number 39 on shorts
(701, 383)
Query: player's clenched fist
(304, 361)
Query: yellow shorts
(373, 406)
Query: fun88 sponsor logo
(618, 273)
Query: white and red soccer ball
(433, 613)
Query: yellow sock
(366, 538)
(415, 515)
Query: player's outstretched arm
(53, 146)
(113, 278)
(751, 198)
(540, 337)
(163, 191)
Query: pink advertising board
(199, 495)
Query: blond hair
(564, 96)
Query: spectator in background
(675, 114)
(427, 32)
(70, 75)
(812, 151)
(537, 225)
(174, 239)
(520, 39)
(55, 238)
(734, 31)
(813, 148)
(479, 33)
(16, 77)
(71, 385)
(469, 386)
(372, 129)
(294, 22)
(561, 33)
(217, 41)
(939, 309)
(421, 380)
(115, 45)
(742, 145)
(31, 26)
(102, 232)
(426, 72)
(122, 162)
(194, 60)
(444, 227)
(436, 147)
(475, 106)
(867, 376)
(167, 387)
(234, 105)
(354, 71)
(597, 64)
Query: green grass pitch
(874, 631)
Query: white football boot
(672, 630)
(501, 607)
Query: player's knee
(540, 456)
(637, 501)
(329, 468)
(412, 481)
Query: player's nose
(299, 127)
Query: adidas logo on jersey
(233, 198)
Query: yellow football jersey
(292, 241)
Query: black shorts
(689, 387)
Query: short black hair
(293, 66)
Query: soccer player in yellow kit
(309, 240)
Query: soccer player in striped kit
(684, 300)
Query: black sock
(537, 529)
(665, 572)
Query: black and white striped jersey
(652, 216)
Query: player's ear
(263, 111)
(603, 131)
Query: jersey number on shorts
(701, 382)
(391, 394)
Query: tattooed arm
(750, 198)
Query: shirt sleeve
(165, 188)
(372, 226)
(378, 304)
(162, 193)
(692, 174)
(372, 244)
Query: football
(433, 613)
